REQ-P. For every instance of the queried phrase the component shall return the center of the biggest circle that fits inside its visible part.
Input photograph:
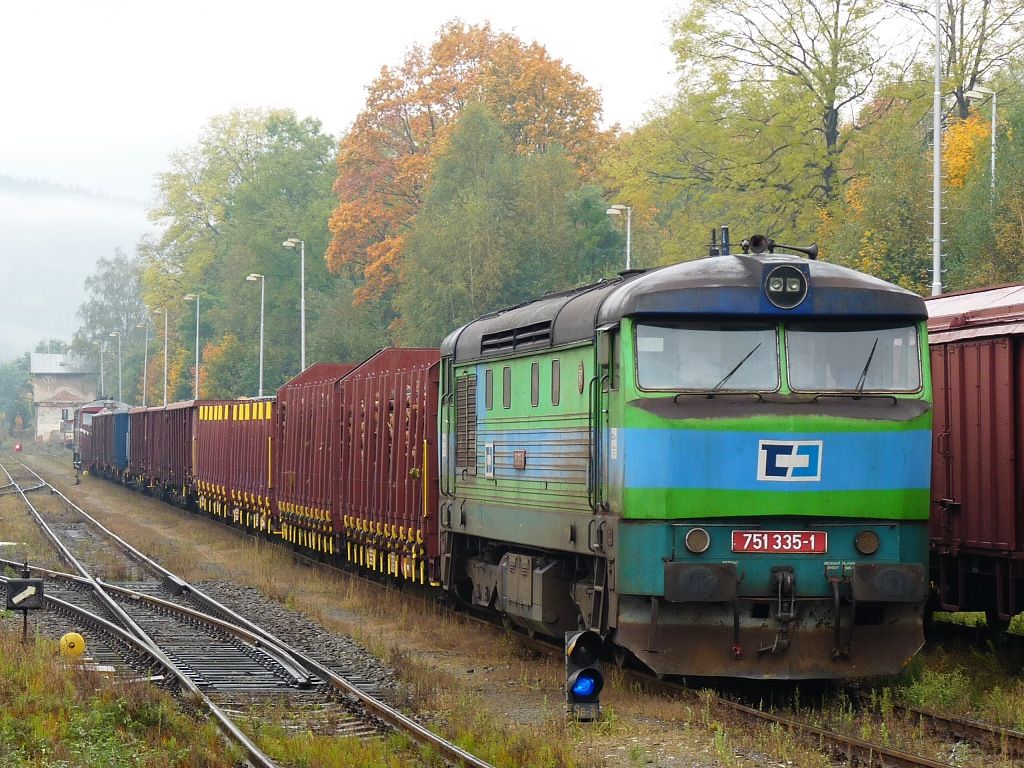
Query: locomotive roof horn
(763, 244)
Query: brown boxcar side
(139, 469)
(103, 441)
(233, 454)
(307, 454)
(388, 489)
(170, 447)
(977, 525)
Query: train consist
(722, 465)
(977, 530)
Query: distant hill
(17, 185)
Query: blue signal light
(584, 685)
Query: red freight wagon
(103, 442)
(977, 524)
(307, 456)
(233, 454)
(170, 449)
(388, 490)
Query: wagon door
(981, 453)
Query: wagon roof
(714, 285)
(972, 314)
(318, 372)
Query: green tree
(254, 179)
(820, 55)
(497, 228)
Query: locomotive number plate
(807, 542)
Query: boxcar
(307, 454)
(139, 471)
(977, 528)
(388, 488)
(233, 454)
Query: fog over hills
(52, 236)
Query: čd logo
(789, 460)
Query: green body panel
(705, 504)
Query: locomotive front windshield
(744, 357)
(707, 357)
(853, 358)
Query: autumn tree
(386, 158)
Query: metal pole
(263, 285)
(629, 234)
(103, 384)
(145, 366)
(993, 174)
(302, 298)
(937, 158)
(120, 397)
(165, 356)
(195, 392)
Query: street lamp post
(263, 284)
(292, 242)
(163, 312)
(616, 210)
(145, 361)
(937, 157)
(979, 93)
(120, 398)
(195, 297)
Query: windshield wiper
(736, 367)
(864, 374)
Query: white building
(60, 383)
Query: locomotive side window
(707, 357)
(506, 387)
(489, 389)
(535, 384)
(556, 383)
(862, 357)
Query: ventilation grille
(465, 423)
(514, 339)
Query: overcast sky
(96, 95)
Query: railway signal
(583, 678)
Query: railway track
(155, 623)
(995, 740)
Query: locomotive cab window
(853, 357)
(707, 356)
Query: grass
(59, 715)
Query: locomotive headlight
(697, 540)
(867, 542)
(786, 287)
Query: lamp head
(291, 242)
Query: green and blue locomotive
(721, 465)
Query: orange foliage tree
(960, 148)
(386, 158)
